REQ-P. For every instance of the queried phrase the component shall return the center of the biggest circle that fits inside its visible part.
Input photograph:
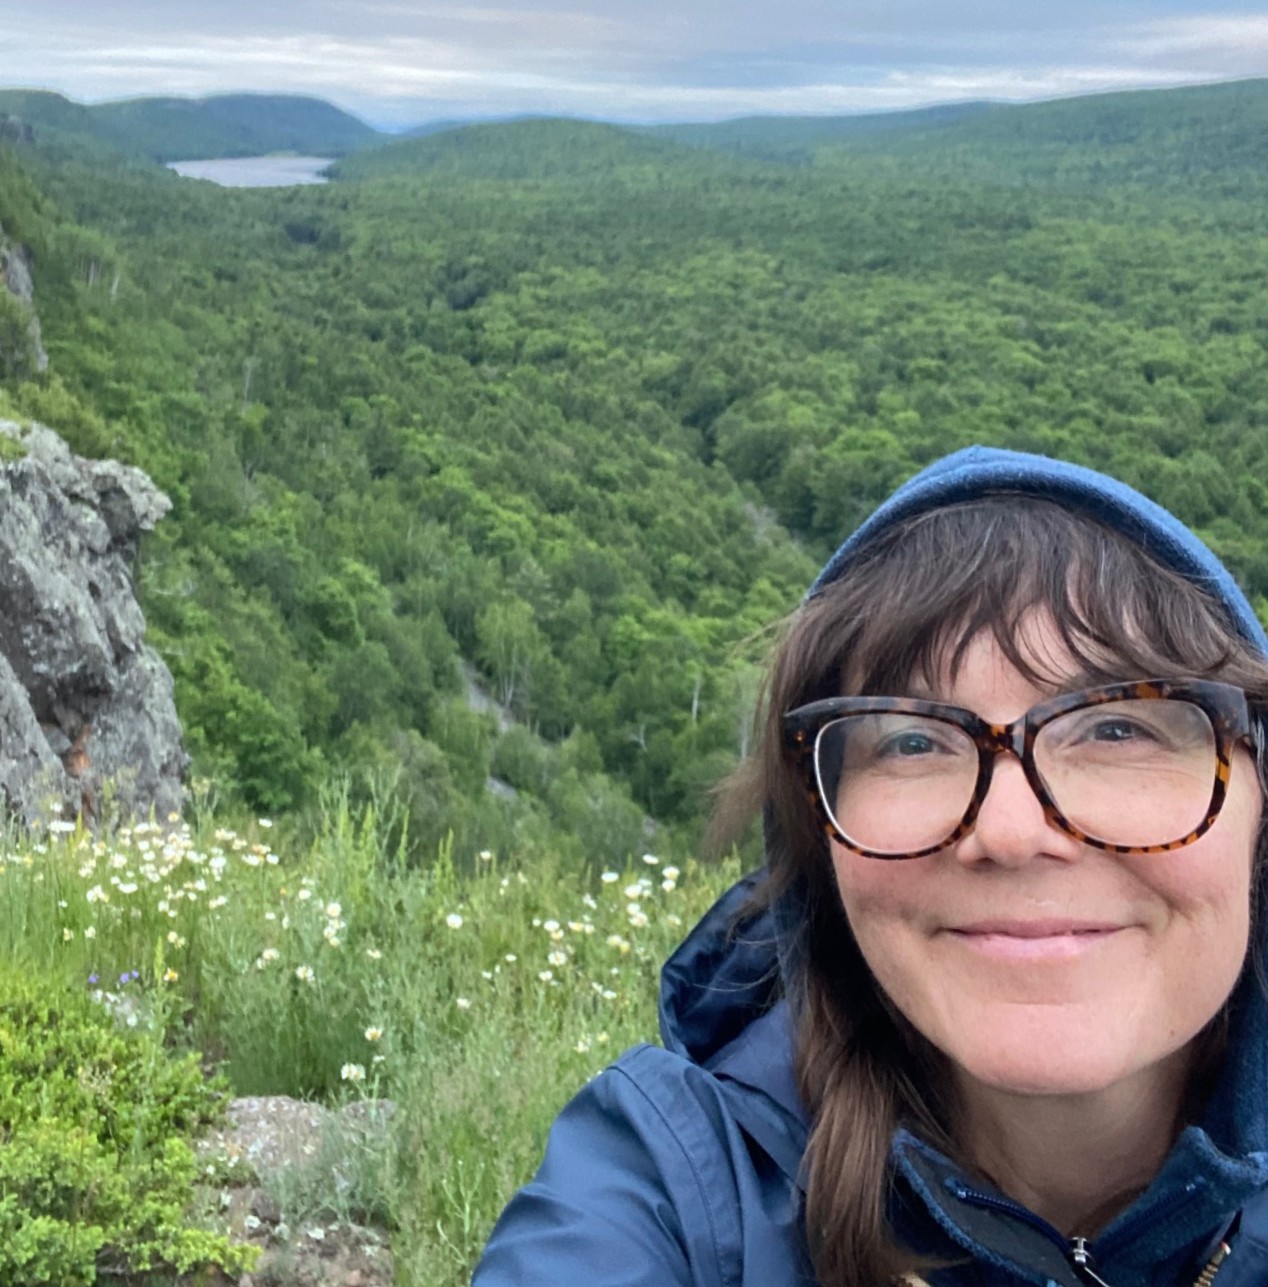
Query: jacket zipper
(1073, 1249)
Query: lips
(1036, 928)
(1041, 940)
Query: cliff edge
(88, 724)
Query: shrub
(97, 1166)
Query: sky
(397, 64)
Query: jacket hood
(983, 471)
(727, 974)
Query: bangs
(907, 611)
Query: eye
(1115, 729)
(915, 743)
(907, 744)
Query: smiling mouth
(1034, 940)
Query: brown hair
(908, 607)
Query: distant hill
(799, 137)
(1209, 140)
(531, 148)
(173, 129)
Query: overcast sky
(397, 63)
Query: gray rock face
(87, 719)
(17, 279)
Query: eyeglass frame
(1225, 705)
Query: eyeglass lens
(1136, 772)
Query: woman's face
(1038, 964)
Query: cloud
(397, 62)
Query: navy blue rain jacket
(680, 1166)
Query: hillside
(795, 138)
(529, 149)
(170, 129)
(568, 413)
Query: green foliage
(17, 339)
(544, 422)
(98, 1167)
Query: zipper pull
(1207, 1276)
(1081, 1259)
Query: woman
(990, 1015)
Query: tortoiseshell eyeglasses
(1132, 768)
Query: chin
(1061, 1060)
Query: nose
(1011, 828)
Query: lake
(256, 171)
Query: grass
(477, 992)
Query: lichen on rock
(87, 717)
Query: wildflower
(61, 826)
(638, 921)
(633, 891)
(545, 975)
(97, 895)
(669, 886)
(175, 939)
(672, 873)
(63, 904)
(589, 901)
(485, 855)
(602, 1038)
(269, 954)
(304, 894)
(90, 931)
(582, 1046)
(270, 916)
(558, 958)
(67, 935)
(487, 975)
(510, 958)
(93, 979)
(304, 973)
(217, 903)
(374, 954)
(609, 878)
(608, 995)
(674, 922)
(463, 1003)
(632, 909)
(333, 911)
(575, 927)
(453, 920)
(550, 926)
(373, 1034)
(266, 823)
(352, 1072)
(651, 860)
(170, 975)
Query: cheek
(886, 904)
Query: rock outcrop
(16, 277)
(88, 725)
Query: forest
(496, 460)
